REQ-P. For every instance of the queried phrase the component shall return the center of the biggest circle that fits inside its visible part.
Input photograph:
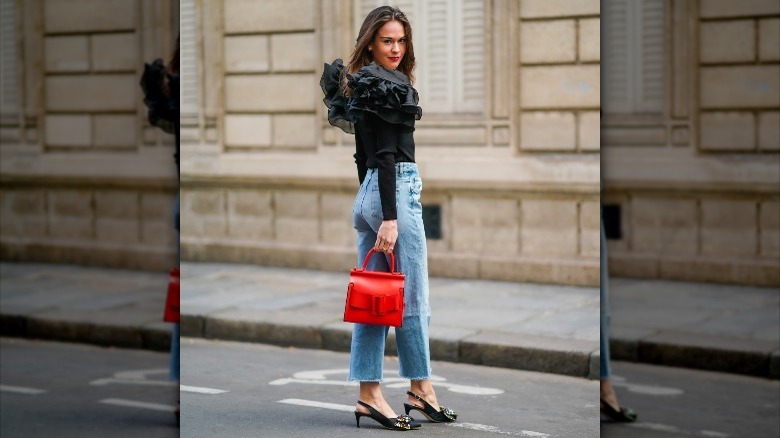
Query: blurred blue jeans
(604, 366)
(173, 372)
(411, 258)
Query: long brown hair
(172, 68)
(173, 64)
(368, 31)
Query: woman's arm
(387, 144)
(360, 156)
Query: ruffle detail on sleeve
(335, 99)
(384, 92)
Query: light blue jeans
(604, 365)
(411, 258)
(174, 365)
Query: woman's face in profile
(389, 46)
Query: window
(9, 83)
(632, 40)
(188, 54)
(449, 45)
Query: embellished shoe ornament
(401, 422)
(443, 415)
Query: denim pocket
(376, 201)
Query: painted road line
(136, 377)
(200, 390)
(494, 429)
(21, 390)
(658, 427)
(645, 389)
(319, 377)
(471, 426)
(138, 404)
(316, 404)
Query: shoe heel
(357, 419)
(408, 408)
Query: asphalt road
(676, 402)
(65, 390)
(285, 392)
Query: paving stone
(337, 336)
(445, 342)
(774, 365)
(595, 365)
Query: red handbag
(375, 297)
(172, 299)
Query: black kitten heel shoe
(401, 422)
(443, 415)
(624, 415)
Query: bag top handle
(372, 252)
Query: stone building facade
(691, 139)
(508, 145)
(84, 178)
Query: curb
(721, 354)
(153, 336)
(496, 349)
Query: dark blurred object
(611, 217)
(161, 113)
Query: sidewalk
(548, 328)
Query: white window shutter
(615, 70)
(9, 77)
(188, 59)
(436, 64)
(470, 84)
(633, 58)
(650, 89)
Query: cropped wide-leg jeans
(411, 258)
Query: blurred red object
(172, 300)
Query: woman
(373, 98)
(609, 402)
(160, 84)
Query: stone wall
(699, 186)
(85, 179)
(266, 180)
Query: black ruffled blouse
(381, 112)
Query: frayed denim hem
(428, 377)
(352, 379)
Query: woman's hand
(387, 235)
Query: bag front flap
(376, 303)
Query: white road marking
(138, 404)
(200, 390)
(318, 377)
(108, 380)
(645, 389)
(21, 390)
(135, 377)
(287, 380)
(673, 429)
(472, 426)
(493, 429)
(316, 404)
(712, 433)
